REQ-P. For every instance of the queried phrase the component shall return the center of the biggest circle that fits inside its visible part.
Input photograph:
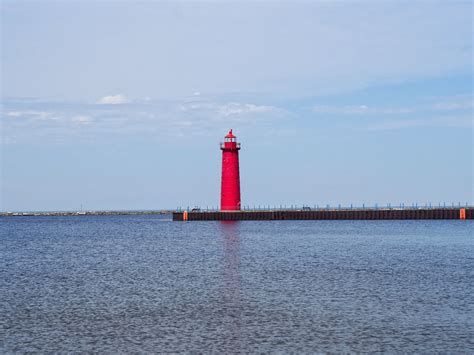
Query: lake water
(147, 284)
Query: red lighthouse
(230, 184)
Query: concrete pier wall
(349, 214)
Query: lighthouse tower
(230, 183)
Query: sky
(121, 105)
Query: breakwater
(82, 213)
(328, 214)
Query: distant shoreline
(84, 213)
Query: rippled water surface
(147, 284)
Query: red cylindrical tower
(230, 183)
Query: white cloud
(448, 122)
(60, 118)
(113, 100)
(196, 116)
(444, 105)
(239, 109)
(14, 114)
(453, 105)
(232, 109)
(37, 115)
(200, 116)
(361, 109)
(81, 120)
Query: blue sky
(121, 105)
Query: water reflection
(232, 280)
